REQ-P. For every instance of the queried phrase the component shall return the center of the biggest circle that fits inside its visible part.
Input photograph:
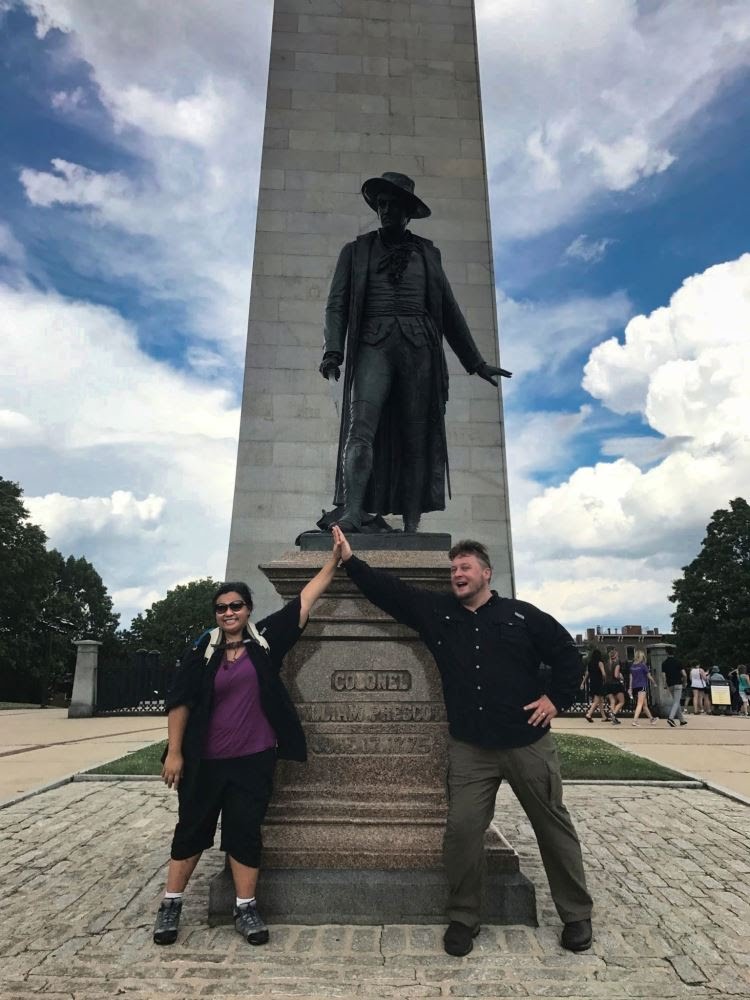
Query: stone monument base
(356, 896)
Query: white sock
(238, 901)
(173, 895)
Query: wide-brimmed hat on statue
(398, 184)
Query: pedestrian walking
(230, 717)
(488, 650)
(640, 677)
(698, 684)
(676, 678)
(614, 687)
(744, 687)
(595, 674)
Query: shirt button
(476, 647)
(477, 666)
(480, 708)
(479, 687)
(440, 642)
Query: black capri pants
(237, 787)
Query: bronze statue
(390, 295)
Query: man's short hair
(468, 547)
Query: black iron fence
(135, 686)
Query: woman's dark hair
(594, 657)
(237, 587)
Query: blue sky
(618, 153)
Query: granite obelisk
(358, 88)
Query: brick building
(626, 640)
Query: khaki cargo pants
(533, 772)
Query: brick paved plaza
(82, 868)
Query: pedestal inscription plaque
(368, 808)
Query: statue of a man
(390, 295)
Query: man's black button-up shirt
(488, 659)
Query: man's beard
(468, 593)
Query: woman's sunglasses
(232, 606)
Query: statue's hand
(486, 372)
(331, 365)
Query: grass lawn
(7, 705)
(582, 757)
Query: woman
(613, 685)
(743, 680)
(230, 717)
(639, 678)
(699, 683)
(596, 676)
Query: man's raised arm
(404, 603)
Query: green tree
(78, 595)
(77, 606)
(25, 579)
(712, 616)
(179, 618)
(46, 601)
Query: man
(488, 650)
(390, 297)
(676, 678)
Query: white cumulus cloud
(639, 518)
(123, 459)
(582, 98)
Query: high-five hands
(340, 542)
(486, 372)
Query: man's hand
(486, 372)
(339, 539)
(542, 711)
(331, 365)
(172, 769)
(336, 552)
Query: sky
(618, 152)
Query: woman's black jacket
(193, 686)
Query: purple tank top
(639, 675)
(238, 725)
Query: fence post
(83, 700)
(658, 652)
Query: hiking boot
(577, 935)
(671, 722)
(167, 921)
(458, 938)
(249, 923)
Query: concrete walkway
(38, 746)
(715, 748)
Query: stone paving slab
(82, 869)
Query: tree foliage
(78, 596)
(712, 616)
(171, 624)
(25, 576)
(46, 601)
